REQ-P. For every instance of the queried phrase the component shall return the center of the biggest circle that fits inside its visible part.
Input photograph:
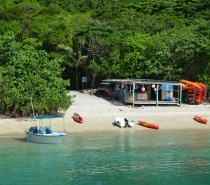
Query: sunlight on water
(150, 157)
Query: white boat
(124, 122)
(44, 134)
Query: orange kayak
(190, 83)
(202, 85)
(200, 119)
(77, 117)
(193, 89)
(149, 125)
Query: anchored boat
(40, 134)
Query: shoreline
(99, 115)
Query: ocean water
(148, 157)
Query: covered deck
(144, 91)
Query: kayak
(200, 119)
(188, 83)
(149, 125)
(77, 117)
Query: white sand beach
(99, 115)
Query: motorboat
(44, 135)
(40, 134)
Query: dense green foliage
(27, 74)
(165, 39)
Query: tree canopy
(99, 39)
(27, 73)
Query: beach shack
(144, 91)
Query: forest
(47, 46)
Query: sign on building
(84, 79)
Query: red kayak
(149, 125)
(77, 118)
(200, 119)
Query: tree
(114, 39)
(28, 73)
(91, 44)
(136, 53)
(184, 53)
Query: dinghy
(124, 122)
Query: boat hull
(149, 125)
(53, 138)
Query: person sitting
(35, 130)
(48, 130)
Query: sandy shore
(99, 115)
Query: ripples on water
(149, 157)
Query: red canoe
(77, 118)
(200, 119)
(149, 125)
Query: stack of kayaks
(204, 91)
(193, 91)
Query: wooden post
(180, 94)
(133, 94)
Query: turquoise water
(146, 157)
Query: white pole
(64, 125)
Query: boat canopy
(45, 117)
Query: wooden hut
(144, 91)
